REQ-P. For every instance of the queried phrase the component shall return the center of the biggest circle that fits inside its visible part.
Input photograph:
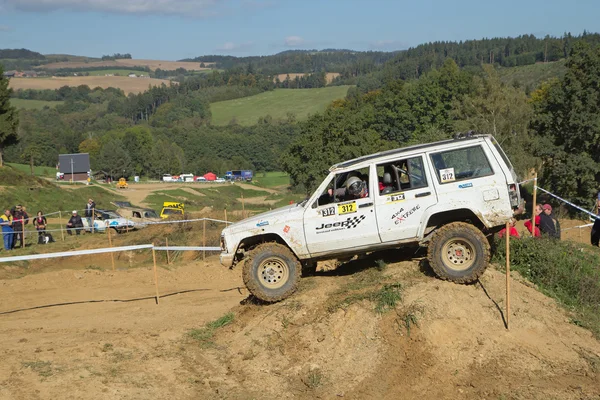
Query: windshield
(110, 215)
(171, 211)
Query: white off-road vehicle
(447, 195)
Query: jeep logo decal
(350, 222)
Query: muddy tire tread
(460, 227)
(254, 287)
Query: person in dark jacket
(548, 211)
(596, 228)
(20, 219)
(89, 211)
(40, 223)
(547, 225)
(75, 223)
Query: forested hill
(305, 61)
(21, 54)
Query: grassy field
(271, 179)
(49, 172)
(33, 104)
(277, 103)
(128, 85)
(532, 75)
(125, 63)
(36, 194)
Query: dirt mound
(440, 341)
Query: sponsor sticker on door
(395, 198)
(328, 211)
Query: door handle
(424, 194)
(365, 205)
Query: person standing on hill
(555, 233)
(596, 228)
(40, 223)
(90, 207)
(6, 221)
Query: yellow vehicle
(122, 184)
(172, 208)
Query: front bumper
(226, 260)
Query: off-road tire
(271, 272)
(459, 252)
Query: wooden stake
(22, 232)
(243, 208)
(533, 206)
(62, 232)
(225, 217)
(168, 256)
(155, 274)
(204, 240)
(507, 273)
(93, 218)
(112, 255)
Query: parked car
(448, 196)
(104, 219)
(200, 179)
(167, 178)
(139, 215)
(220, 180)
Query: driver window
(136, 214)
(346, 186)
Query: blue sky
(176, 29)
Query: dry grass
(152, 64)
(128, 85)
(330, 76)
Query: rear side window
(461, 164)
(401, 175)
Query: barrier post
(168, 257)
(62, 232)
(533, 206)
(155, 274)
(507, 273)
(112, 255)
(22, 233)
(243, 207)
(204, 240)
(225, 216)
(93, 218)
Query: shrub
(566, 271)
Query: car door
(406, 194)
(340, 224)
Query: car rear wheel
(459, 252)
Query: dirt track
(299, 348)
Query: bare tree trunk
(31, 163)
(1, 157)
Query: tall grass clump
(565, 271)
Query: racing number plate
(347, 208)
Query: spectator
(596, 228)
(75, 223)
(40, 223)
(6, 221)
(538, 211)
(20, 219)
(555, 233)
(513, 231)
(547, 227)
(89, 211)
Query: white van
(186, 177)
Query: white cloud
(294, 41)
(389, 45)
(193, 8)
(233, 47)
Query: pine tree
(8, 117)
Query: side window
(345, 186)
(401, 175)
(461, 164)
(136, 214)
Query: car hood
(266, 219)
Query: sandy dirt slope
(299, 348)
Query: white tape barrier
(186, 248)
(577, 227)
(184, 220)
(527, 181)
(569, 203)
(75, 253)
